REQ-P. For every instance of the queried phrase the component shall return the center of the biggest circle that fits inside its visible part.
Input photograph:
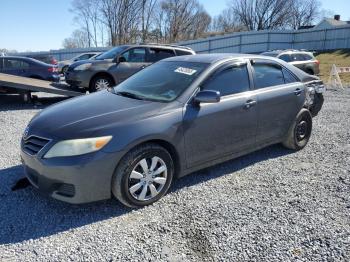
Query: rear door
(280, 96)
(218, 129)
(134, 61)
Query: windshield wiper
(130, 95)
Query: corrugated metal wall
(249, 42)
(257, 42)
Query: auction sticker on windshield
(186, 71)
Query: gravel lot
(272, 205)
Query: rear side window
(289, 77)
(266, 75)
(156, 54)
(182, 52)
(285, 58)
(301, 57)
(231, 80)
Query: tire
(299, 133)
(64, 69)
(132, 186)
(99, 83)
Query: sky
(39, 25)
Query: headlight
(76, 147)
(82, 67)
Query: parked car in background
(47, 59)
(63, 65)
(177, 116)
(301, 59)
(28, 67)
(116, 65)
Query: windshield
(111, 54)
(162, 81)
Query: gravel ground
(272, 205)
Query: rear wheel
(300, 131)
(102, 82)
(143, 176)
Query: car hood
(93, 62)
(91, 115)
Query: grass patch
(339, 58)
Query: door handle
(249, 104)
(297, 91)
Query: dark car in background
(47, 59)
(116, 65)
(304, 60)
(63, 65)
(28, 67)
(176, 116)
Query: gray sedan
(177, 116)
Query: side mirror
(119, 59)
(207, 96)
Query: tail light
(52, 69)
(53, 61)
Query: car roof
(222, 57)
(278, 52)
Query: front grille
(34, 144)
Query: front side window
(135, 55)
(231, 80)
(15, 64)
(266, 75)
(163, 81)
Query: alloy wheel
(102, 84)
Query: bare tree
(78, 39)
(227, 22)
(262, 14)
(304, 12)
(183, 19)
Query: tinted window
(266, 75)
(156, 54)
(270, 54)
(300, 57)
(229, 81)
(285, 58)
(15, 64)
(289, 77)
(183, 52)
(135, 55)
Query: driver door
(130, 62)
(218, 129)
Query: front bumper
(76, 180)
(78, 78)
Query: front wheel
(143, 176)
(300, 131)
(99, 83)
